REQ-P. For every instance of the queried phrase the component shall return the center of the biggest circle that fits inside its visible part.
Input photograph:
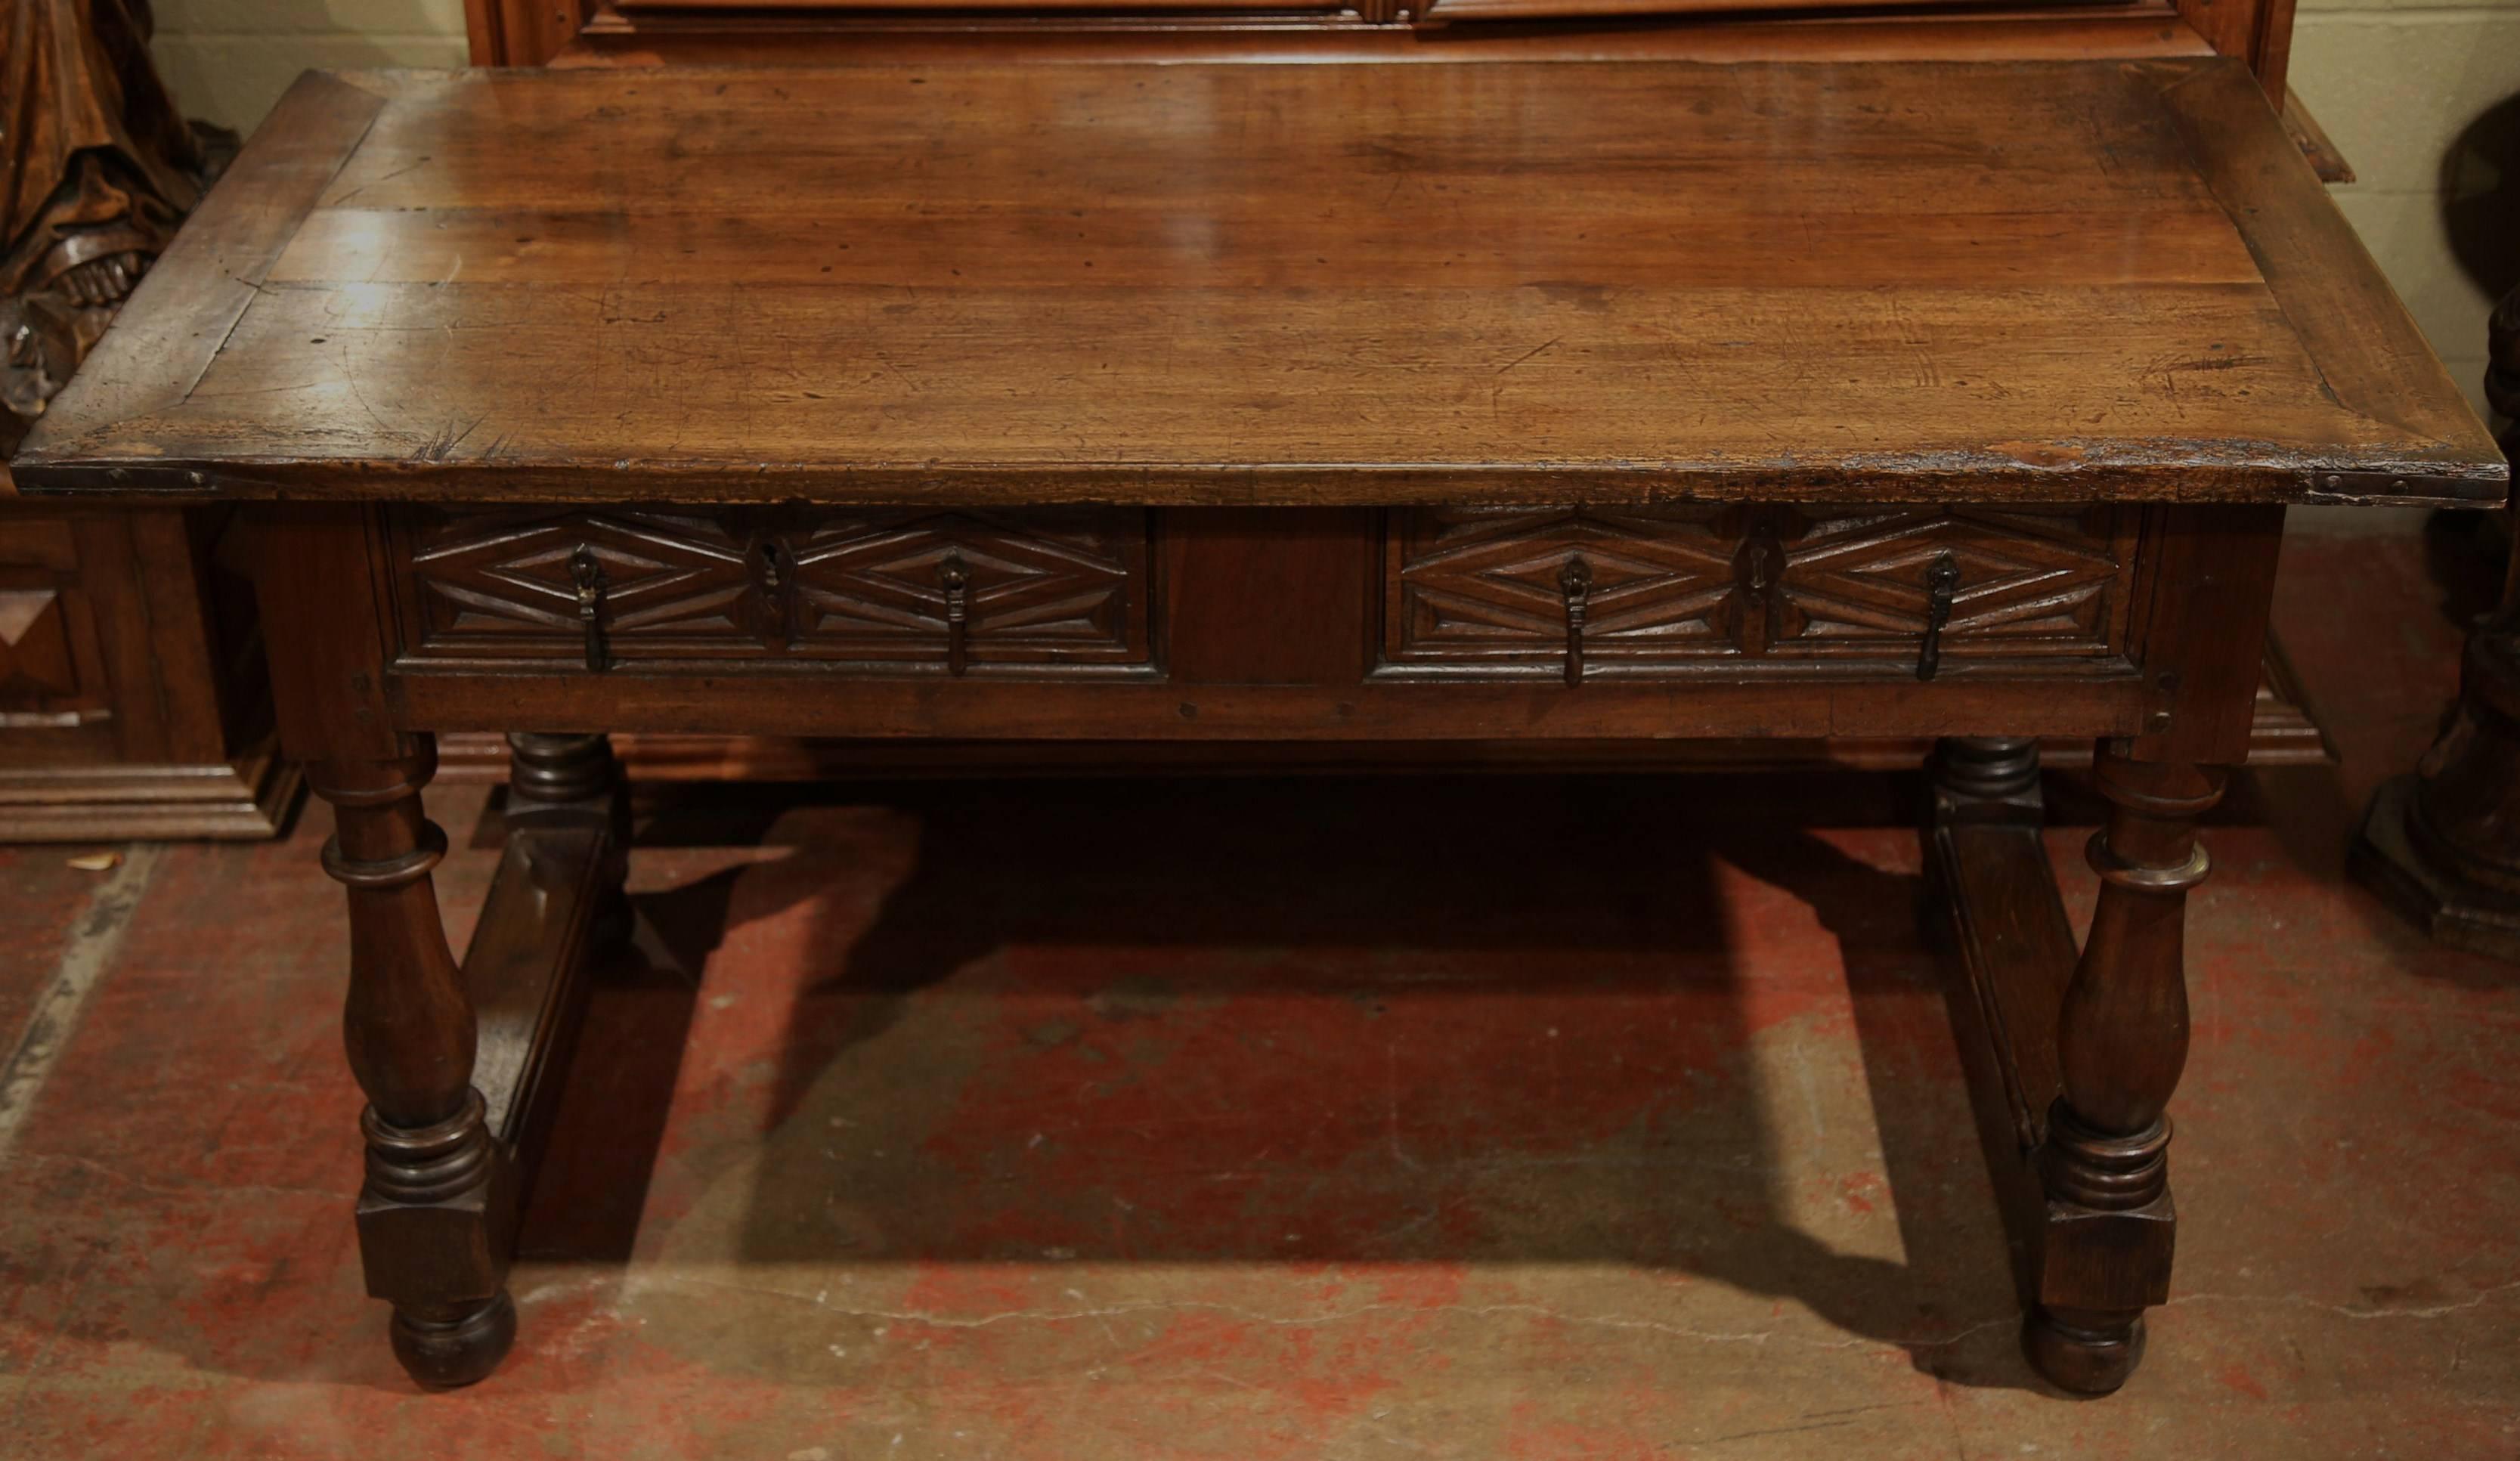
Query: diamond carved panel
(1044, 585)
(1051, 587)
(1476, 584)
(1670, 587)
(501, 585)
(2030, 582)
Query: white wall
(227, 61)
(2395, 82)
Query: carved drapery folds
(98, 170)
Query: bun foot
(447, 1354)
(2086, 1354)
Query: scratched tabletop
(1596, 282)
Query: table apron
(2107, 703)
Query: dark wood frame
(538, 32)
(598, 32)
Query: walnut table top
(1259, 284)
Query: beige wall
(229, 60)
(2395, 82)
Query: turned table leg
(436, 1207)
(2072, 1055)
(462, 1065)
(561, 780)
(2121, 1043)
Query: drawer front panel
(1473, 590)
(893, 591)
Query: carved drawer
(900, 590)
(1611, 592)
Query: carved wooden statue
(130, 672)
(2444, 843)
(99, 168)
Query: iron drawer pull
(770, 583)
(955, 578)
(1575, 582)
(1941, 580)
(588, 575)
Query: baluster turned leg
(2121, 1043)
(437, 1204)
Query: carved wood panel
(1040, 585)
(2030, 582)
(1670, 588)
(36, 662)
(499, 584)
(1475, 584)
(905, 588)
(53, 663)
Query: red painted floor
(1515, 1119)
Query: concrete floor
(1254, 1120)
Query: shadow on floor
(1498, 1019)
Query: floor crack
(1326, 1316)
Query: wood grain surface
(1274, 285)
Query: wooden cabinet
(646, 32)
(132, 699)
(52, 667)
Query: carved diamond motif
(2028, 580)
(1677, 585)
(1054, 586)
(872, 584)
(1477, 583)
(502, 583)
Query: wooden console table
(1084, 402)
